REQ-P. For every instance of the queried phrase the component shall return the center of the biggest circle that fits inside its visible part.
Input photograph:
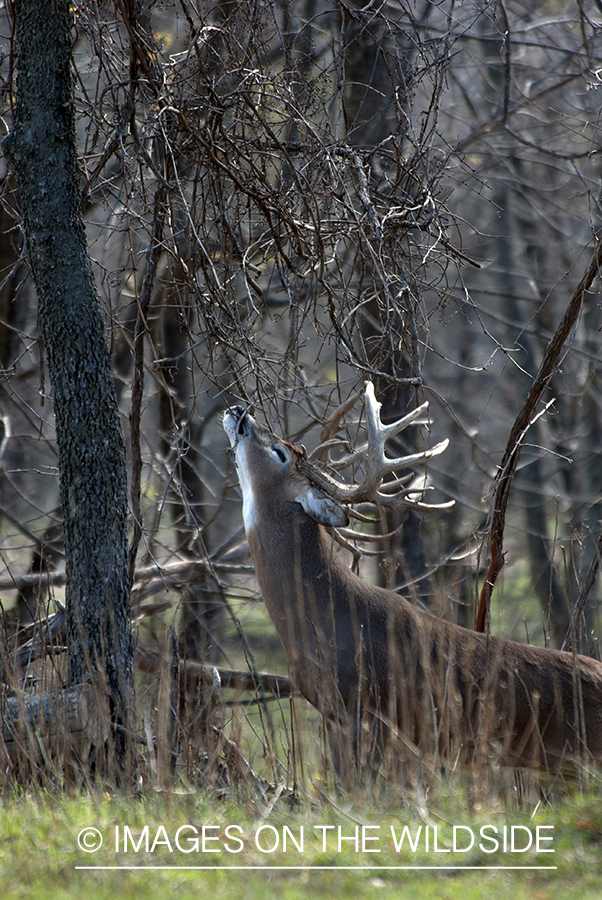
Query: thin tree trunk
(505, 227)
(42, 151)
(378, 70)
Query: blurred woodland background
(281, 200)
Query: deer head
(266, 463)
(264, 459)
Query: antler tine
(376, 429)
(320, 450)
(382, 432)
(378, 465)
(409, 503)
(332, 426)
(378, 434)
(408, 497)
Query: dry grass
(242, 746)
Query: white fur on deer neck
(249, 507)
(232, 418)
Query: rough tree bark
(42, 152)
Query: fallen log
(205, 675)
(55, 720)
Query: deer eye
(279, 452)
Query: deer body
(354, 649)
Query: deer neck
(300, 576)
(305, 589)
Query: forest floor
(183, 845)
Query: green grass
(40, 854)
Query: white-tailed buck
(362, 653)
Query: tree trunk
(507, 227)
(93, 483)
(378, 70)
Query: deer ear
(321, 508)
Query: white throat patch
(249, 509)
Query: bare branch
(507, 467)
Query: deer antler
(377, 464)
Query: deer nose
(239, 415)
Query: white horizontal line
(330, 868)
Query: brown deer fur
(354, 649)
